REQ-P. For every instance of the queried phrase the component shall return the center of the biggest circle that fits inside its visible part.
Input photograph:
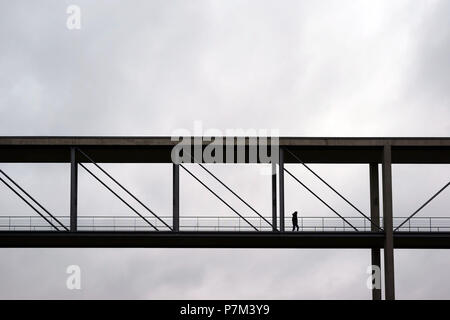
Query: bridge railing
(218, 223)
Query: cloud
(306, 68)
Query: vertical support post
(73, 189)
(281, 183)
(176, 197)
(274, 196)
(388, 224)
(375, 217)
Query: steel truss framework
(371, 151)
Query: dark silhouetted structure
(294, 222)
(378, 231)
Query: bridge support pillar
(73, 189)
(281, 184)
(375, 217)
(274, 196)
(176, 197)
(388, 225)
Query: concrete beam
(281, 186)
(158, 149)
(274, 197)
(73, 189)
(375, 217)
(388, 225)
(176, 197)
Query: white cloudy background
(305, 68)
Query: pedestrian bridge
(88, 153)
(375, 230)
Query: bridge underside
(132, 239)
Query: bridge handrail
(216, 223)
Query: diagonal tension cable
(33, 199)
(125, 189)
(423, 206)
(217, 196)
(120, 198)
(312, 192)
(229, 189)
(234, 193)
(29, 204)
(333, 189)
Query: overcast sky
(304, 68)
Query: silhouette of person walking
(294, 221)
